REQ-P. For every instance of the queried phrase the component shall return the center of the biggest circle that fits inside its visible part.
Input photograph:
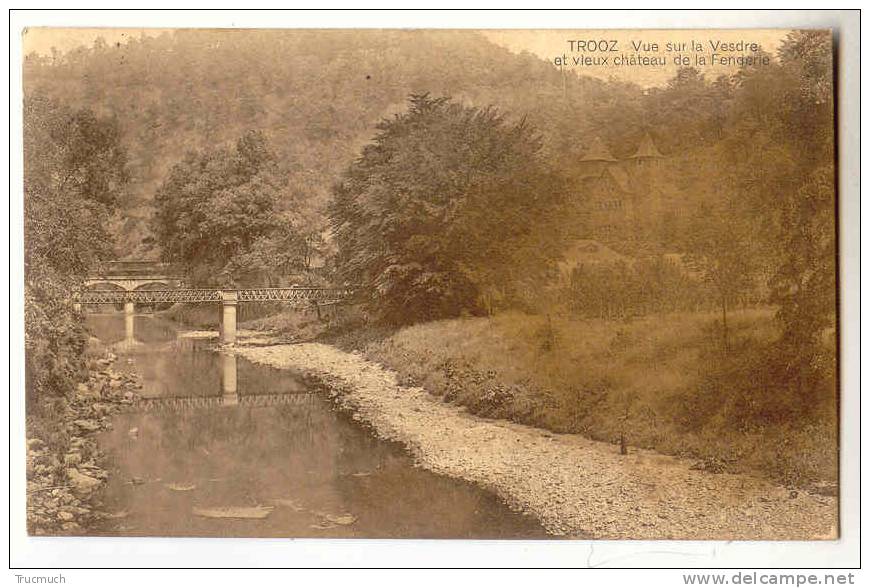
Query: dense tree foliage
(74, 173)
(749, 201)
(783, 117)
(448, 204)
(217, 214)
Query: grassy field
(660, 382)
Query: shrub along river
(218, 446)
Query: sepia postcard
(431, 283)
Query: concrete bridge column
(129, 323)
(229, 302)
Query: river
(215, 434)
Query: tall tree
(725, 251)
(447, 204)
(215, 205)
(805, 283)
(74, 174)
(788, 116)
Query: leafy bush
(620, 290)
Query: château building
(621, 196)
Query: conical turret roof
(598, 151)
(647, 149)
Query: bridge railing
(294, 294)
(147, 296)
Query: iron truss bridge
(202, 295)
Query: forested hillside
(316, 96)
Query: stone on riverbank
(64, 478)
(234, 512)
(82, 482)
(72, 458)
(87, 425)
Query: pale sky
(42, 39)
(547, 44)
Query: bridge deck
(204, 295)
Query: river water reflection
(214, 432)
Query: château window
(615, 204)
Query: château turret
(646, 150)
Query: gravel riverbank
(574, 486)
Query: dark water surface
(215, 432)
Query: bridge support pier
(229, 302)
(129, 324)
